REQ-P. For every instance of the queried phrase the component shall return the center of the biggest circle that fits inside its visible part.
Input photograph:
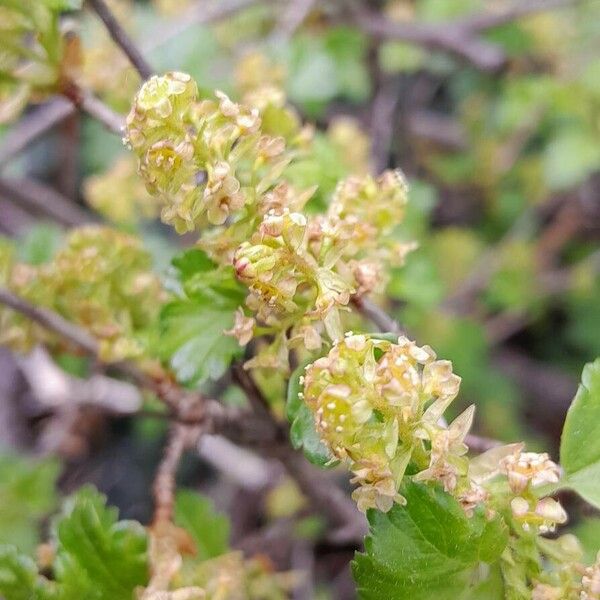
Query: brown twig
(15, 221)
(292, 18)
(379, 317)
(50, 320)
(186, 407)
(459, 37)
(34, 125)
(453, 39)
(180, 438)
(88, 103)
(47, 116)
(39, 197)
(325, 496)
(121, 38)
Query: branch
(384, 322)
(180, 438)
(93, 106)
(327, 498)
(489, 19)
(47, 116)
(453, 39)
(186, 407)
(51, 321)
(122, 39)
(459, 37)
(37, 196)
(35, 124)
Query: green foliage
(19, 579)
(27, 494)
(192, 326)
(98, 556)
(326, 67)
(580, 442)
(427, 550)
(208, 528)
(303, 433)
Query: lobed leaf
(98, 557)
(428, 549)
(580, 440)
(192, 326)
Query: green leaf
(209, 528)
(19, 579)
(428, 549)
(303, 433)
(27, 494)
(192, 326)
(98, 557)
(580, 440)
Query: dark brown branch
(122, 39)
(45, 117)
(32, 126)
(15, 221)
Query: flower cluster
(302, 271)
(590, 582)
(102, 281)
(377, 405)
(204, 159)
(223, 164)
(32, 52)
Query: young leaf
(98, 557)
(19, 579)
(209, 528)
(302, 431)
(580, 440)
(192, 326)
(426, 550)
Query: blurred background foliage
(504, 170)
